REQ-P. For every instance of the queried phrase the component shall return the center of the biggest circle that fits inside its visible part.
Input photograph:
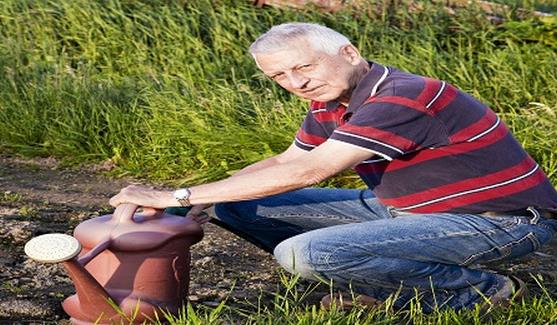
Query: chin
(324, 97)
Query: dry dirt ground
(37, 197)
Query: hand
(197, 213)
(144, 196)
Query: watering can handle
(124, 213)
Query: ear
(351, 54)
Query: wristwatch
(182, 196)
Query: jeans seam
(326, 261)
(310, 216)
(326, 258)
(534, 240)
(507, 227)
(545, 227)
(364, 203)
(529, 236)
(277, 217)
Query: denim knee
(293, 255)
(225, 211)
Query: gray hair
(319, 37)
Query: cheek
(336, 77)
(284, 84)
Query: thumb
(195, 210)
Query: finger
(200, 215)
(202, 219)
(113, 201)
(195, 210)
(118, 198)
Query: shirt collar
(368, 86)
(369, 83)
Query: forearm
(264, 178)
(265, 163)
(272, 176)
(277, 178)
(206, 194)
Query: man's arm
(291, 153)
(278, 176)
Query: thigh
(442, 238)
(309, 209)
(269, 221)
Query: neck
(359, 72)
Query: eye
(305, 67)
(277, 76)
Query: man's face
(308, 73)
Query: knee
(226, 212)
(293, 255)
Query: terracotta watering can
(139, 262)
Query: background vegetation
(167, 91)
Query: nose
(297, 81)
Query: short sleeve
(392, 127)
(310, 134)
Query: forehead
(287, 58)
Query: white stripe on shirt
(370, 140)
(321, 110)
(374, 90)
(493, 127)
(516, 179)
(438, 94)
(364, 148)
(304, 144)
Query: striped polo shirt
(433, 148)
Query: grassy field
(167, 91)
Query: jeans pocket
(516, 248)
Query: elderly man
(449, 185)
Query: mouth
(311, 90)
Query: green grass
(168, 92)
(291, 305)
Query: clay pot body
(140, 262)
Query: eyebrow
(295, 67)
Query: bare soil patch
(38, 196)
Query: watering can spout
(91, 296)
(61, 248)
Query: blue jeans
(349, 237)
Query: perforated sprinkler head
(52, 248)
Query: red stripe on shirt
(484, 123)
(431, 88)
(402, 101)
(446, 97)
(310, 138)
(332, 116)
(323, 117)
(469, 184)
(424, 155)
(317, 105)
(522, 185)
(381, 135)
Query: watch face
(182, 193)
